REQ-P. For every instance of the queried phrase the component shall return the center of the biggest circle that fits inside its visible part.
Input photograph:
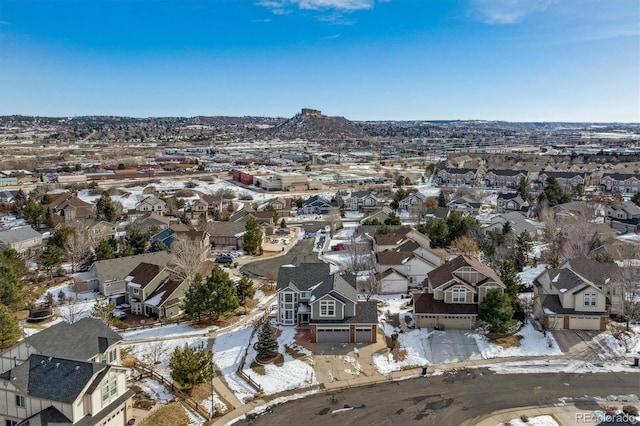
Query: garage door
(584, 323)
(332, 335)
(363, 334)
(456, 322)
(427, 321)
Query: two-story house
(67, 208)
(497, 178)
(23, 239)
(362, 201)
(465, 204)
(512, 202)
(411, 200)
(456, 177)
(566, 180)
(625, 183)
(67, 374)
(309, 295)
(452, 293)
(152, 291)
(151, 204)
(565, 299)
(315, 205)
(624, 215)
(196, 210)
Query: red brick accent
(374, 333)
(313, 334)
(352, 333)
(566, 322)
(603, 323)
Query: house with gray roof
(624, 215)
(311, 296)
(152, 204)
(566, 180)
(625, 183)
(517, 222)
(567, 299)
(49, 390)
(512, 202)
(497, 178)
(23, 239)
(108, 276)
(465, 204)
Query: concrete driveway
(451, 346)
(584, 344)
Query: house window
(113, 384)
(21, 401)
(136, 290)
(590, 299)
(459, 295)
(11, 422)
(109, 387)
(327, 308)
(304, 295)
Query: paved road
(449, 399)
(302, 252)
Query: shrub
(524, 418)
(632, 410)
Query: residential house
(378, 217)
(456, 177)
(624, 183)
(391, 282)
(108, 276)
(512, 202)
(152, 291)
(362, 201)
(567, 300)
(575, 209)
(624, 216)
(152, 220)
(23, 239)
(452, 294)
(102, 230)
(226, 235)
(67, 374)
(68, 208)
(566, 180)
(7, 198)
(517, 222)
(497, 178)
(392, 240)
(309, 295)
(411, 200)
(196, 210)
(199, 239)
(151, 204)
(316, 205)
(465, 204)
(278, 204)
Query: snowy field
(533, 421)
(228, 349)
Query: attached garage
(584, 322)
(332, 334)
(456, 322)
(363, 334)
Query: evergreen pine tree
(245, 289)
(191, 366)
(252, 239)
(267, 343)
(442, 199)
(496, 310)
(104, 250)
(9, 328)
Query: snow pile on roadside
(533, 421)
(414, 347)
(560, 366)
(631, 347)
(294, 374)
(533, 343)
(281, 400)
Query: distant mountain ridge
(312, 124)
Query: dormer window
(590, 299)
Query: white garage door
(584, 323)
(456, 322)
(332, 335)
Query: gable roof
(68, 200)
(16, 235)
(50, 416)
(620, 176)
(596, 272)
(53, 378)
(342, 287)
(118, 268)
(389, 257)
(362, 194)
(225, 229)
(444, 273)
(303, 277)
(456, 171)
(389, 271)
(153, 218)
(564, 175)
(163, 293)
(503, 172)
(425, 303)
(316, 200)
(81, 340)
(144, 273)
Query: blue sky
(516, 60)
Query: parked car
(224, 258)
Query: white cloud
(282, 6)
(506, 11)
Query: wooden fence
(240, 371)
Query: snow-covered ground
(228, 349)
(632, 345)
(171, 330)
(533, 421)
(529, 273)
(414, 346)
(532, 343)
(560, 366)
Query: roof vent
(50, 358)
(57, 364)
(42, 362)
(76, 368)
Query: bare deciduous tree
(466, 246)
(77, 248)
(626, 288)
(72, 312)
(187, 255)
(369, 286)
(154, 352)
(78, 286)
(358, 254)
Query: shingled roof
(424, 303)
(52, 378)
(81, 340)
(444, 273)
(304, 276)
